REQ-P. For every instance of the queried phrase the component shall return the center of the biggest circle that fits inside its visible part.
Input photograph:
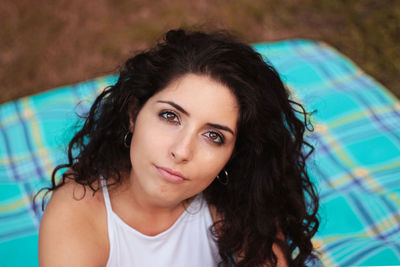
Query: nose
(182, 149)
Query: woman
(195, 157)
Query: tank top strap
(106, 195)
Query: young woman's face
(182, 138)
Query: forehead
(202, 96)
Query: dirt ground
(46, 44)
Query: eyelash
(167, 112)
(163, 115)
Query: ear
(132, 119)
(133, 108)
(131, 124)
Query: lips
(171, 175)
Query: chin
(164, 194)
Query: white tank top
(188, 242)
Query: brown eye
(169, 116)
(215, 137)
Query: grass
(54, 43)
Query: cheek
(211, 163)
(148, 140)
(140, 141)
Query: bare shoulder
(73, 228)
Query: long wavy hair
(269, 190)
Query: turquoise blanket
(356, 165)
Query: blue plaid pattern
(356, 165)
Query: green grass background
(46, 44)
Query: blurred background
(46, 44)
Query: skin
(189, 127)
(183, 140)
(172, 130)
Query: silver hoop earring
(224, 182)
(128, 139)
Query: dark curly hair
(269, 190)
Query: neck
(142, 212)
(148, 205)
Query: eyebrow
(221, 127)
(175, 106)
(217, 126)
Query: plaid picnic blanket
(356, 165)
